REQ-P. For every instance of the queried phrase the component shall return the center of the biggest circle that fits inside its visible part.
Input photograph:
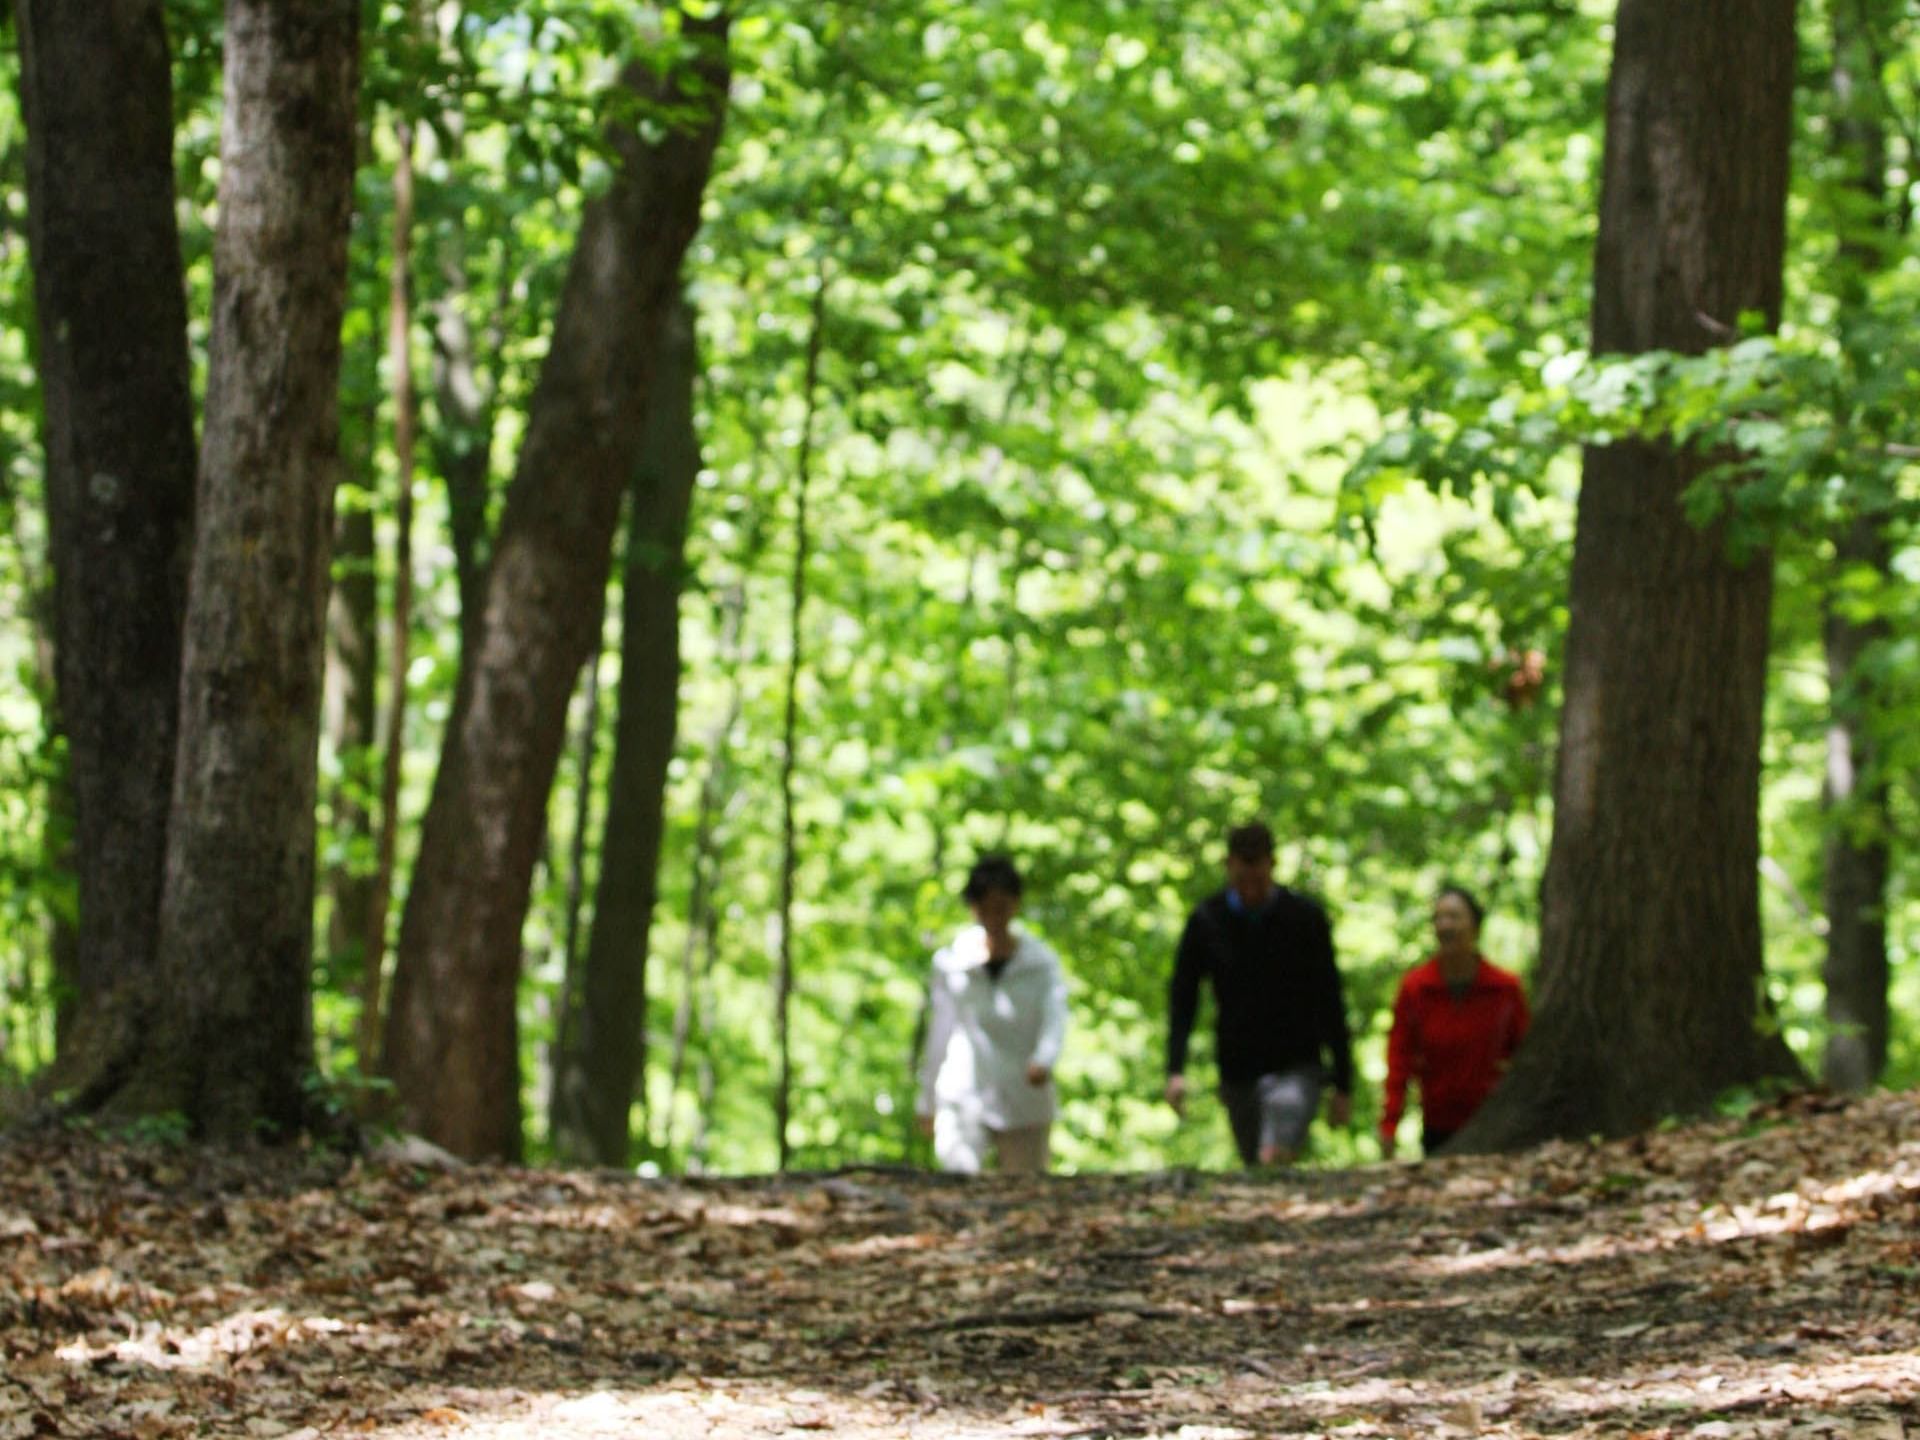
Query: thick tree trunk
(601, 1069)
(234, 1034)
(1857, 857)
(97, 89)
(451, 1037)
(1650, 977)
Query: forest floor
(1758, 1277)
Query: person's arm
(1053, 1024)
(1400, 1045)
(940, 1022)
(1183, 996)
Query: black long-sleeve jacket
(1276, 991)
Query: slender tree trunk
(400, 376)
(1857, 857)
(354, 617)
(451, 1037)
(702, 915)
(601, 1071)
(97, 90)
(234, 1037)
(462, 450)
(1650, 959)
(790, 730)
(563, 1133)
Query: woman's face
(995, 911)
(1453, 924)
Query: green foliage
(1199, 413)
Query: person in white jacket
(997, 1009)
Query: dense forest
(538, 542)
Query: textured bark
(451, 1036)
(1650, 958)
(97, 90)
(601, 1069)
(234, 1037)
(1856, 797)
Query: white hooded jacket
(982, 1033)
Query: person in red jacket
(1457, 1020)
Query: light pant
(962, 1143)
(1274, 1112)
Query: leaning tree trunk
(452, 1046)
(600, 1069)
(233, 1037)
(1650, 958)
(96, 85)
(1855, 795)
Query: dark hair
(991, 873)
(1251, 841)
(1466, 898)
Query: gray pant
(1273, 1112)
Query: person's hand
(924, 1124)
(1038, 1074)
(1340, 1109)
(1177, 1093)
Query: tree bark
(233, 1036)
(1649, 984)
(452, 1044)
(97, 90)
(601, 1069)
(1855, 796)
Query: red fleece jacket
(1455, 1048)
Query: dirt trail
(1754, 1278)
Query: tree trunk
(1857, 858)
(1855, 796)
(703, 916)
(451, 1037)
(354, 619)
(462, 450)
(562, 1133)
(1650, 976)
(790, 733)
(399, 642)
(97, 90)
(233, 1036)
(601, 1071)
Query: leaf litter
(1753, 1278)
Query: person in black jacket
(1279, 1017)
